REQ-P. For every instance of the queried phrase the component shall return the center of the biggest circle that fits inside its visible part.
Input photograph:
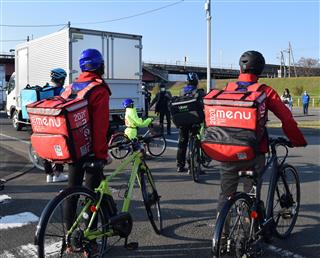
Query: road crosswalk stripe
(17, 220)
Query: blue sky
(171, 33)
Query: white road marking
(170, 140)
(14, 138)
(282, 252)
(7, 254)
(4, 198)
(17, 220)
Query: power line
(12, 40)
(105, 21)
(134, 15)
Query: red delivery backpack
(61, 126)
(234, 123)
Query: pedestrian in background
(305, 102)
(287, 99)
(147, 99)
(162, 101)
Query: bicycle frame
(136, 158)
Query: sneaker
(60, 178)
(49, 178)
(181, 169)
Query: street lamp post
(207, 7)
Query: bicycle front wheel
(286, 201)
(119, 146)
(157, 145)
(232, 230)
(195, 162)
(72, 207)
(151, 199)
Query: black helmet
(192, 79)
(252, 62)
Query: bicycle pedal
(131, 246)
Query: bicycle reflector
(93, 208)
(254, 214)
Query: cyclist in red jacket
(92, 67)
(251, 66)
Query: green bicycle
(97, 218)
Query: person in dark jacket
(251, 66)
(191, 89)
(147, 99)
(162, 101)
(92, 67)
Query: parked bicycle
(244, 223)
(153, 139)
(196, 155)
(37, 161)
(98, 208)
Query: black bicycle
(244, 223)
(196, 155)
(153, 139)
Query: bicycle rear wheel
(232, 230)
(286, 201)
(156, 145)
(195, 162)
(151, 199)
(37, 161)
(51, 235)
(206, 162)
(119, 146)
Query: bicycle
(97, 217)
(244, 223)
(153, 139)
(196, 155)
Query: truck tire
(15, 121)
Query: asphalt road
(188, 208)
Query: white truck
(34, 60)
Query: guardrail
(314, 102)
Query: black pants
(168, 117)
(305, 108)
(229, 178)
(48, 167)
(183, 144)
(76, 174)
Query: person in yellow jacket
(132, 121)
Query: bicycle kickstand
(131, 245)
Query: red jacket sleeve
(99, 116)
(289, 125)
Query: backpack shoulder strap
(255, 87)
(67, 92)
(82, 93)
(231, 86)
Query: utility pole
(207, 8)
(294, 66)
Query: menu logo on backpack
(234, 123)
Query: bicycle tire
(51, 248)
(37, 161)
(289, 203)
(195, 162)
(156, 143)
(151, 199)
(206, 162)
(119, 146)
(223, 245)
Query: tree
(307, 64)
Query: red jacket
(98, 107)
(276, 106)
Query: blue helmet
(90, 60)
(192, 79)
(127, 102)
(58, 74)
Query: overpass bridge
(155, 72)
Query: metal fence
(314, 102)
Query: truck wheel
(15, 121)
